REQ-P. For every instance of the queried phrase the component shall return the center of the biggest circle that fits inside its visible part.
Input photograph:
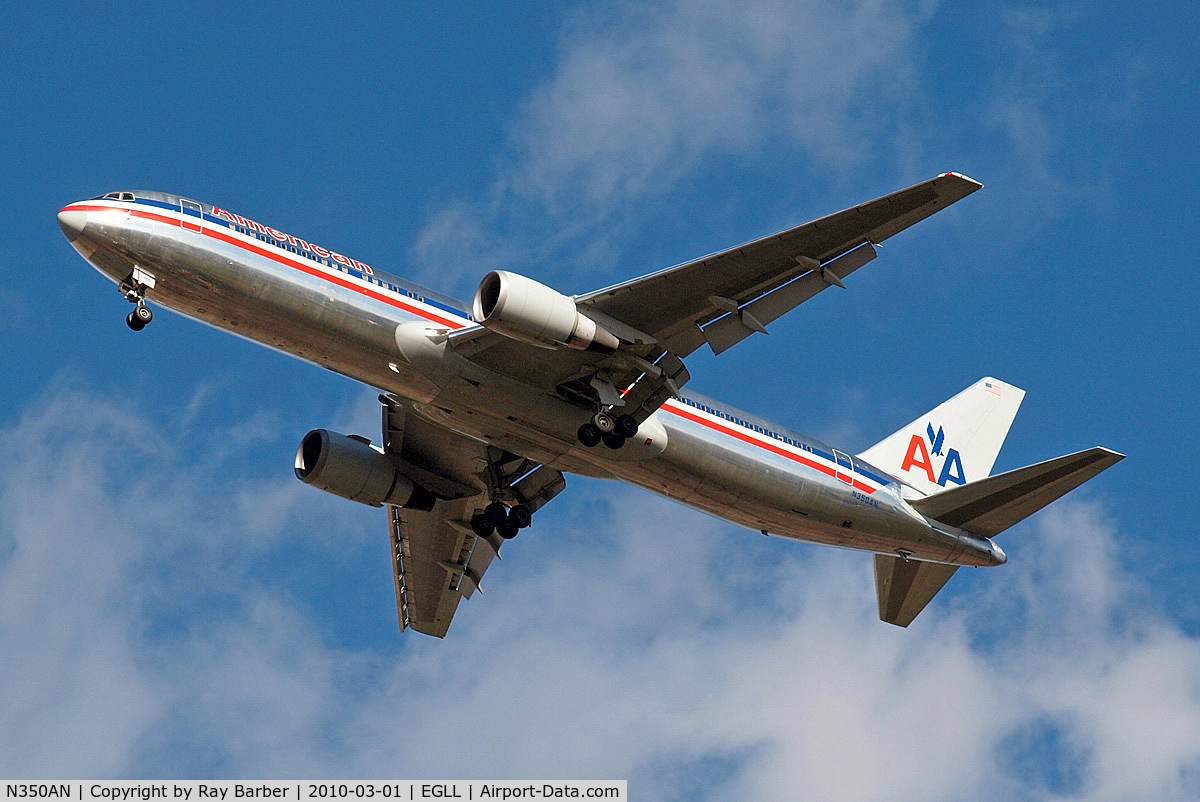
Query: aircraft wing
(673, 305)
(720, 299)
(437, 559)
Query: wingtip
(961, 177)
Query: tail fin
(984, 507)
(955, 443)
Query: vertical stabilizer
(954, 444)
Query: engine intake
(523, 309)
(350, 468)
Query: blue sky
(173, 603)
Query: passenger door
(191, 209)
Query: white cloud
(640, 96)
(623, 636)
(634, 102)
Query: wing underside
(438, 559)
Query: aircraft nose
(72, 221)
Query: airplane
(486, 406)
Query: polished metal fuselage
(376, 331)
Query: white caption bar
(299, 791)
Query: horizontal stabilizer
(906, 586)
(989, 506)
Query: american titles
(320, 253)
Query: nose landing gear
(139, 317)
(134, 289)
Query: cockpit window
(125, 196)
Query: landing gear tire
(627, 426)
(520, 516)
(481, 525)
(604, 422)
(139, 317)
(589, 435)
(507, 530)
(495, 514)
(614, 441)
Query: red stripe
(754, 441)
(278, 257)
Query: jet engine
(523, 309)
(349, 467)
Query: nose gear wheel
(139, 317)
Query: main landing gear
(613, 431)
(505, 522)
(517, 487)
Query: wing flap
(740, 323)
(437, 558)
(435, 563)
(904, 587)
(989, 506)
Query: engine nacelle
(523, 309)
(350, 468)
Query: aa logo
(920, 457)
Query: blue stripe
(767, 430)
(410, 290)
